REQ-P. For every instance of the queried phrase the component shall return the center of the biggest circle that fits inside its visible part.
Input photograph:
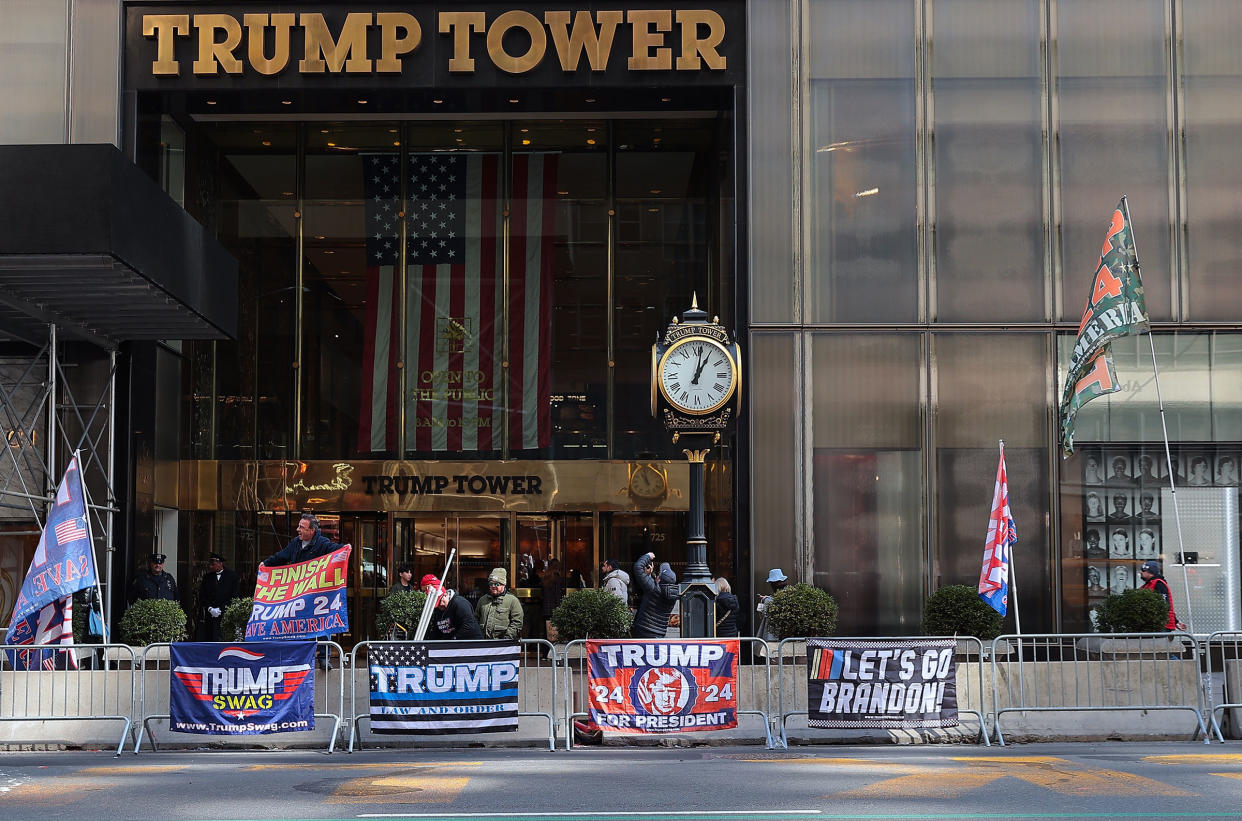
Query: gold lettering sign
(660, 40)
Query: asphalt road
(1046, 781)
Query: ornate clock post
(696, 384)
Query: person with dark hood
(1152, 574)
(452, 617)
(499, 612)
(726, 609)
(660, 593)
(217, 588)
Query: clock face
(697, 375)
(647, 482)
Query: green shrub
(1134, 611)
(233, 619)
(591, 614)
(957, 610)
(403, 607)
(150, 621)
(802, 611)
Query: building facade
(459, 230)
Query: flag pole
(1164, 429)
(1013, 585)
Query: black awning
(90, 243)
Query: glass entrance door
(481, 543)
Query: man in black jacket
(156, 584)
(309, 544)
(215, 591)
(660, 593)
(452, 617)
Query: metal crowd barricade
(537, 687)
(1096, 672)
(791, 681)
(100, 689)
(754, 685)
(1224, 648)
(154, 682)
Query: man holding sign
(300, 590)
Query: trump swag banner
(881, 684)
(301, 601)
(231, 690)
(662, 686)
(431, 688)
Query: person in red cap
(452, 618)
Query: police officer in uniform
(154, 584)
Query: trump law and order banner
(300, 601)
(858, 683)
(662, 686)
(234, 690)
(432, 688)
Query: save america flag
(459, 394)
(431, 688)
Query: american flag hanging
(456, 388)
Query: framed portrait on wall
(1120, 505)
(1226, 474)
(1092, 467)
(1120, 578)
(1096, 547)
(1162, 469)
(1093, 506)
(1147, 543)
(1097, 580)
(1145, 470)
(1120, 469)
(1121, 542)
(1148, 506)
(1198, 469)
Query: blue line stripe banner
(444, 687)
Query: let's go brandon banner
(301, 601)
(858, 683)
(662, 686)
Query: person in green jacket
(499, 612)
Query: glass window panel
(1113, 136)
(244, 186)
(773, 395)
(1133, 413)
(577, 259)
(339, 326)
(665, 242)
(988, 161)
(770, 124)
(868, 479)
(863, 264)
(975, 409)
(1212, 95)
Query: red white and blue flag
(461, 310)
(1002, 534)
(51, 625)
(63, 563)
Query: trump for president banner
(220, 689)
(301, 601)
(858, 683)
(436, 687)
(662, 686)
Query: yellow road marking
(400, 789)
(1049, 772)
(1227, 775)
(378, 765)
(1193, 758)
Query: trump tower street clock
(696, 376)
